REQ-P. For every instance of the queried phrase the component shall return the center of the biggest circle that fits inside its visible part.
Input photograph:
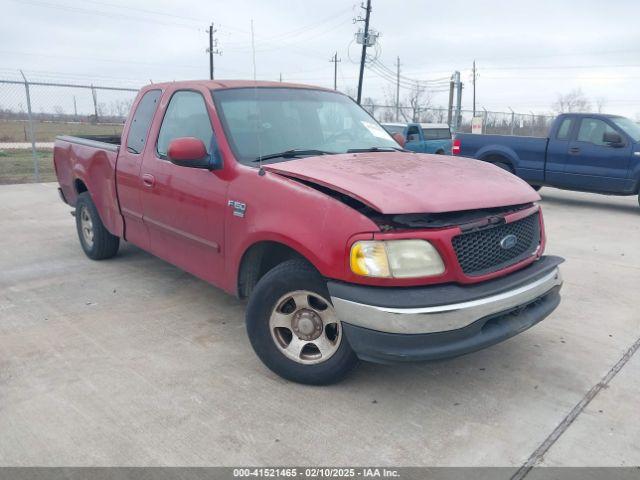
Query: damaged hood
(398, 182)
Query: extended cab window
(139, 128)
(436, 133)
(186, 116)
(565, 129)
(592, 130)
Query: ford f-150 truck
(295, 198)
(584, 151)
(423, 137)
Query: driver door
(414, 140)
(592, 163)
(184, 207)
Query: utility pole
(335, 61)
(280, 77)
(212, 50)
(458, 85)
(474, 87)
(398, 89)
(365, 41)
(450, 109)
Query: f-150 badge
(239, 208)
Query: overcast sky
(527, 51)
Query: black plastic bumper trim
(381, 347)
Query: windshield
(261, 121)
(632, 129)
(393, 128)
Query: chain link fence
(498, 123)
(33, 113)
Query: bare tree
(574, 101)
(601, 103)
(418, 99)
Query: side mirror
(399, 138)
(190, 152)
(613, 139)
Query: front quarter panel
(283, 210)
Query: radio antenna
(255, 98)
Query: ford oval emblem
(508, 242)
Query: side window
(413, 135)
(186, 116)
(436, 133)
(565, 129)
(593, 130)
(139, 128)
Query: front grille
(480, 252)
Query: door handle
(574, 150)
(148, 180)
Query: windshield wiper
(376, 149)
(291, 154)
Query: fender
(97, 173)
(501, 151)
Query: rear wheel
(503, 166)
(96, 241)
(293, 327)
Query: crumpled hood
(395, 183)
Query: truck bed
(525, 156)
(88, 163)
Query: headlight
(395, 259)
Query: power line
(102, 13)
(393, 78)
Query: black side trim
(433, 295)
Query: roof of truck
(222, 84)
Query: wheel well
(440, 152)
(258, 260)
(499, 159)
(79, 186)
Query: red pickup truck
(294, 197)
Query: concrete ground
(133, 362)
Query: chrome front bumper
(442, 318)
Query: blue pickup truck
(423, 137)
(585, 152)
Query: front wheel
(293, 327)
(96, 241)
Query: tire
(440, 152)
(288, 306)
(96, 241)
